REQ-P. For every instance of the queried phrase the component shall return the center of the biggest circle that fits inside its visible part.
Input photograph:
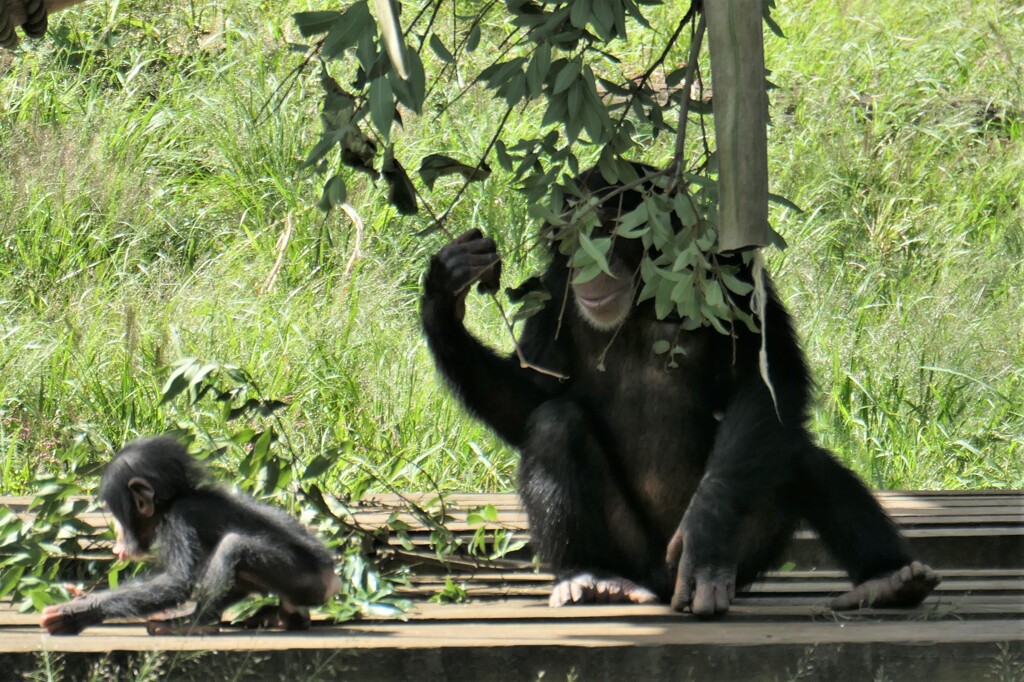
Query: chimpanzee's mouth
(595, 302)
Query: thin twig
(645, 78)
(357, 251)
(281, 247)
(684, 109)
(523, 362)
(604, 352)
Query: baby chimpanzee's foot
(587, 588)
(902, 589)
(278, 617)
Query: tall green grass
(148, 173)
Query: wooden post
(740, 104)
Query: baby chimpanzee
(215, 547)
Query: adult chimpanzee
(214, 545)
(643, 482)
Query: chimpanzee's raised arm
(496, 389)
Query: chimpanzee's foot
(278, 617)
(181, 627)
(587, 588)
(902, 589)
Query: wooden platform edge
(937, 652)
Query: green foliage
(262, 462)
(32, 551)
(560, 62)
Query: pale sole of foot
(904, 588)
(586, 588)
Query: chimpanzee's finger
(683, 591)
(490, 282)
(675, 550)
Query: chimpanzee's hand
(468, 259)
(71, 617)
(706, 586)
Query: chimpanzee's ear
(143, 495)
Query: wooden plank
(891, 500)
(746, 608)
(598, 649)
(518, 522)
(597, 632)
(777, 587)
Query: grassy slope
(143, 191)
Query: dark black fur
(614, 462)
(204, 537)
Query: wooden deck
(972, 628)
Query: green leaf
(569, 74)
(417, 82)
(776, 239)
(440, 50)
(597, 249)
(436, 165)
(702, 181)
(262, 446)
(587, 273)
(675, 77)
(489, 512)
(687, 258)
(346, 31)
(314, 23)
(10, 579)
(683, 207)
(498, 74)
(706, 240)
(603, 19)
(320, 150)
(537, 71)
(714, 298)
(736, 285)
(366, 50)
(382, 105)
(772, 26)
(473, 39)
(684, 295)
(663, 303)
(580, 11)
(661, 347)
(630, 223)
(177, 381)
(198, 376)
(391, 33)
(783, 201)
(401, 192)
(504, 159)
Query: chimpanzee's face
(132, 545)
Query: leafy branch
(550, 60)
